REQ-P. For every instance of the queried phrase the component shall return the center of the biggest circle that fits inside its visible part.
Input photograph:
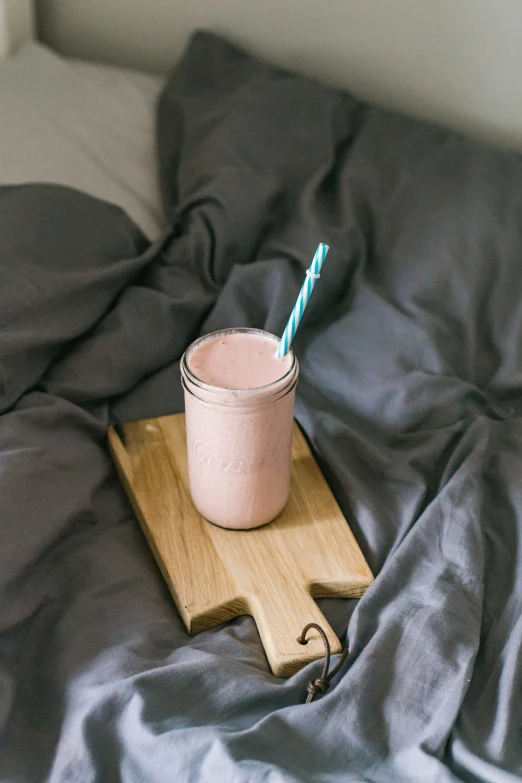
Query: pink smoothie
(239, 403)
(239, 360)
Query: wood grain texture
(271, 572)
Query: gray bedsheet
(410, 392)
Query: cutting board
(272, 573)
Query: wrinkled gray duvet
(410, 393)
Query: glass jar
(239, 443)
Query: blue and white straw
(312, 275)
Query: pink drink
(239, 405)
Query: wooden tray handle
(280, 630)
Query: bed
(147, 210)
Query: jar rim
(238, 393)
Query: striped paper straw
(312, 274)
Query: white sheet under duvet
(85, 125)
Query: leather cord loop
(322, 683)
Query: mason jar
(239, 442)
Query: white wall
(455, 61)
(16, 24)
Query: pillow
(88, 126)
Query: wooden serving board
(273, 572)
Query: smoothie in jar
(239, 404)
